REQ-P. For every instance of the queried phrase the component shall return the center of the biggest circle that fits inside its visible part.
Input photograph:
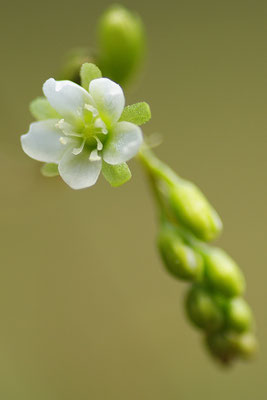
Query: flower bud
(246, 344)
(221, 347)
(72, 64)
(121, 41)
(180, 260)
(228, 345)
(203, 310)
(222, 273)
(193, 210)
(239, 315)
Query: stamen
(92, 109)
(78, 150)
(60, 123)
(94, 156)
(80, 112)
(101, 125)
(66, 128)
(63, 140)
(99, 143)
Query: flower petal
(67, 98)
(78, 171)
(126, 138)
(42, 142)
(109, 99)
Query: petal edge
(126, 139)
(78, 171)
(42, 141)
(109, 99)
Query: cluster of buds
(214, 302)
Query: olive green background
(87, 310)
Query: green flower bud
(121, 42)
(246, 344)
(222, 273)
(228, 345)
(203, 310)
(180, 260)
(72, 64)
(221, 347)
(239, 315)
(193, 210)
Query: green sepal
(116, 175)
(89, 72)
(49, 170)
(41, 109)
(138, 113)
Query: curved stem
(157, 167)
(158, 173)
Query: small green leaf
(138, 113)
(116, 175)
(89, 72)
(49, 170)
(41, 109)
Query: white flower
(87, 132)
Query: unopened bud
(228, 345)
(246, 344)
(193, 210)
(222, 273)
(221, 347)
(203, 310)
(239, 315)
(121, 41)
(72, 64)
(180, 260)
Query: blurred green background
(87, 310)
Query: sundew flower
(82, 131)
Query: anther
(78, 150)
(92, 109)
(63, 140)
(94, 156)
(99, 143)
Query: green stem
(157, 167)
(158, 173)
(153, 186)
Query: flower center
(92, 133)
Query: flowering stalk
(85, 129)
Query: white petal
(109, 99)
(42, 142)
(124, 143)
(78, 171)
(67, 98)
